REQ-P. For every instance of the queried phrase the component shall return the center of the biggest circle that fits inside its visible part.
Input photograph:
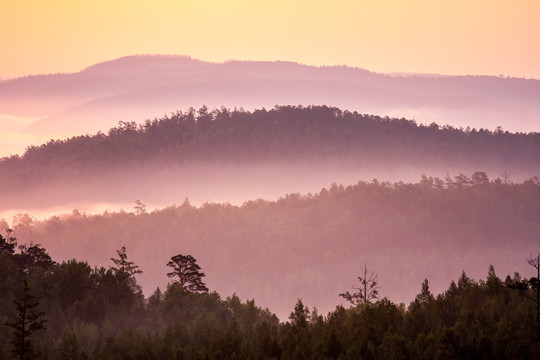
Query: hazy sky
(451, 37)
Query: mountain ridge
(211, 154)
(59, 100)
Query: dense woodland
(284, 134)
(292, 255)
(234, 155)
(75, 311)
(311, 245)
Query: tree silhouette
(8, 244)
(125, 271)
(139, 207)
(69, 347)
(367, 291)
(425, 295)
(26, 323)
(33, 255)
(525, 286)
(188, 272)
(300, 314)
(534, 283)
(125, 268)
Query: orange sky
(451, 37)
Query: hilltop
(134, 88)
(224, 152)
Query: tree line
(284, 133)
(403, 230)
(75, 311)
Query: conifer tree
(125, 268)
(25, 324)
(188, 272)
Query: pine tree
(299, 316)
(188, 272)
(125, 268)
(125, 272)
(139, 207)
(69, 347)
(425, 295)
(25, 324)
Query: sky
(415, 36)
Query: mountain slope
(235, 155)
(139, 87)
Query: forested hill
(283, 134)
(75, 311)
(138, 87)
(313, 246)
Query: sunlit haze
(425, 36)
(337, 179)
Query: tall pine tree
(28, 321)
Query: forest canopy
(401, 230)
(283, 134)
(218, 155)
(80, 312)
(299, 252)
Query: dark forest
(79, 312)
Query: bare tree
(534, 283)
(366, 292)
(525, 286)
(506, 177)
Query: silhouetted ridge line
(285, 133)
(143, 63)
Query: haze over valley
(137, 88)
(403, 197)
(225, 155)
(309, 246)
(270, 180)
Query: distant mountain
(136, 88)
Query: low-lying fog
(137, 88)
(298, 247)
(285, 254)
(161, 186)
